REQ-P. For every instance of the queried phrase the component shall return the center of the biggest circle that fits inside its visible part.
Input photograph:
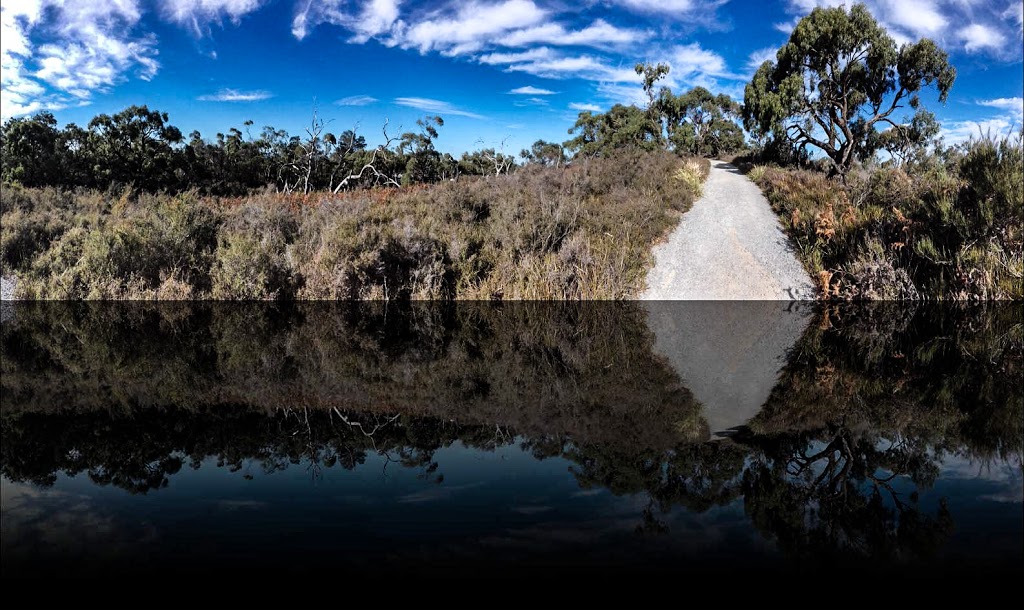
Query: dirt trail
(729, 246)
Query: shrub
(578, 232)
(251, 260)
(936, 230)
(692, 174)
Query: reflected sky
(500, 439)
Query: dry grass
(938, 231)
(582, 232)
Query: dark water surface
(502, 439)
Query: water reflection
(524, 435)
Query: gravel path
(729, 246)
(7, 288)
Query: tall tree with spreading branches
(838, 80)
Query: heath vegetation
(876, 204)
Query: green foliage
(908, 143)
(696, 123)
(119, 250)
(251, 258)
(701, 123)
(837, 78)
(620, 127)
(30, 150)
(939, 231)
(549, 154)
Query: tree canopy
(140, 147)
(837, 80)
(696, 122)
(699, 122)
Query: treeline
(139, 147)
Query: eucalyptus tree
(837, 80)
(701, 123)
(136, 145)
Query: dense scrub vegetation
(581, 232)
(128, 209)
(889, 212)
(140, 148)
(949, 226)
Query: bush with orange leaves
(945, 228)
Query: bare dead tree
(502, 163)
(343, 148)
(312, 150)
(371, 166)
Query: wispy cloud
(435, 106)
(598, 34)
(673, 9)
(356, 100)
(531, 90)
(197, 15)
(585, 107)
(375, 18)
(954, 132)
(531, 101)
(758, 57)
(234, 95)
(470, 27)
(1014, 106)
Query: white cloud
(692, 59)
(356, 100)
(89, 48)
(760, 56)
(435, 106)
(695, 66)
(678, 8)
(585, 107)
(1015, 11)
(531, 90)
(920, 17)
(461, 28)
(598, 34)
(976, 27)
(618, 93)
(514, 58)
(1014, 106)
(471, 27)
(977, 37)
(531, 101)
(586, 67)
(198, 14)
(234, 95)
(375, 18)
(954, 132)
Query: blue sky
(498, 71)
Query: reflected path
(728, 356)
(511, 438)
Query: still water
(503, 439)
